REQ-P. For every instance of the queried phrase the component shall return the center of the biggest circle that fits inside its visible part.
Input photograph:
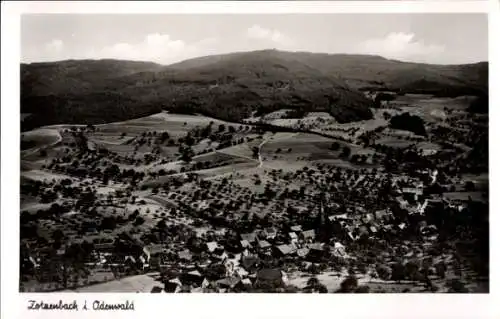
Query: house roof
(335, 217)
(270, 230)
(241, 272)
(176, 281)
(205, 283)
(286, 249)
(315, 246)
(264, 244)
(250, 237)
(131, 258)
(351, 235)
(212, 246)
(302, 252)
(223, 256)
(228, 281)
(171, 286)
(185, 254)
(246, 281)
(339, 252)
(412, 190)
(269, 274)
(338, 245)
(106, 245)
(308, 233)
(292, 235)
(156, 289)
(194, 273)
(380, 213)
(245, 243)
(363, 229)
(296, 228)
(249, 261)
(155, 249)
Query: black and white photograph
(253, 153)
(299, 153)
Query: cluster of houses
(237, 262)
(250, 263)
(255, 261)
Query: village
(369, 225)
(212, 206)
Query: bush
(383, 97)
(322, 289)
(457, 287)
(139, 221)
(346, 152)
(470, 186)
(441, 270)
(480, 104)
(398, 272)
(335, 146)
(349, 285)
(362, 290)
(407, 122)
(108, 222)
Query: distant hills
(230, 87)
(371, 71)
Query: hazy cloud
(400, 45)
(434, 38)
(156, 47)
(275, 36)
(55, 46)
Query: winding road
(261, 162)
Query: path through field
(260, 153)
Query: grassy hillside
(229, 87)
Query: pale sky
(427, 37)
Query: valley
(325, 187)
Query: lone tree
(346, 152)
(383, 97)
(255, 151)
(187, 154)
(469, 186)
(408, 122)
(349, 285)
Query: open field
(176, 124)
(41, 137)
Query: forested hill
(229, 87)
